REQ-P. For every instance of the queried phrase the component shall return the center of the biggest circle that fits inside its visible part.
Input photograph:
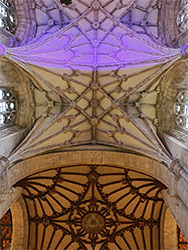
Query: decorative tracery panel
(181, 109)
(182, 16)
(8, 16)
(93, 207)
(8, 106)
(143, 17)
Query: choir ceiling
(93, 207)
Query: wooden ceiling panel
(93, 208)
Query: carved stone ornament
(175, 167)
(4, 165)
(3, 50)
(184, 51)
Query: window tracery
(8, 17)
(8, 105)
(181, 109)
(182, 17)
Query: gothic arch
(169, 228)
(170, 32)
(70, 158)
(20, 225)
(174, 136)
(12, 78)
(98, 169)
(173, 177)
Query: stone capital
(175, 167)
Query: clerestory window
(8, 17)
(181, 109)
(8, 105)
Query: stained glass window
(8, 106)
(181, 109)
(8, 17)
(182, 243)
(5, 231)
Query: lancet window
(8, 107)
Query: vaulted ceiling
(93, 207)
(105, 70)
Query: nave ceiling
(106, 71)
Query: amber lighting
(5, 230)
(182, 242)
(79, 207)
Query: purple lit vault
(108, 75)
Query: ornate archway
(93, 207)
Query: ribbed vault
(93, 207)
(107, 73)
(48, 18)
